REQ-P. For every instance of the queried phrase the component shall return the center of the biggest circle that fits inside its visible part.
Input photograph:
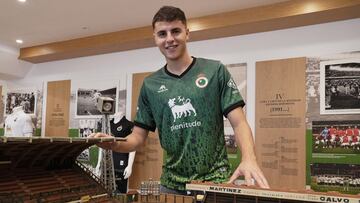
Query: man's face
(171, 38)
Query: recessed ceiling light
(19, 41)
(22, 1)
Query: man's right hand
(104, 145)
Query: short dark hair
(169, 14)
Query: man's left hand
(251, 171)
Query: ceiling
(40, 22)
(43, 21)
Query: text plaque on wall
(57, 108)
(280, 121)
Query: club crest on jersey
(201, 81)
(162, 89)
(181, 110)
(231, 84)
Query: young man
(186, 101)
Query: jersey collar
(182, 74)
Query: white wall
(10, 66)
(317, 40)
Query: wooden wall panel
(149, 158)
(280, 122)
(57, 109)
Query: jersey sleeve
(230, 94)
(144, 117)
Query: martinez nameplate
(303, 196)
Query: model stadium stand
(45, 170)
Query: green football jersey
(188, 112)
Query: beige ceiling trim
(283, 15)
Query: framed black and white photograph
(24, 98)
(344, 178)
(87, 99)
(340, 87)
(86, 128)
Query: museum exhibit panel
(280, 112)
(296, 64)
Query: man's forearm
(242, 132)
(245, 141)
(248, 166)
(135, 139)
(123, 146)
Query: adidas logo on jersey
(162, 89)
(231, 84)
